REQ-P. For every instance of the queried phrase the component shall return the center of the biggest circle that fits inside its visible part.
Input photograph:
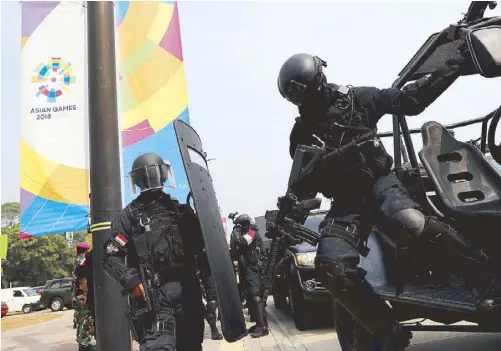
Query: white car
(20, 299)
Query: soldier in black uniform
(360, 181)
(210, 297)
(160, 238)
(247, 245)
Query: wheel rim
(26, 309)
(56, 305)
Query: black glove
(290, 240)
(462, 63)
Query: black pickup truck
(295, 288)
(57, 294)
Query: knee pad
(411, 220)
(211, 306)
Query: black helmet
(245, 220)
(150, 171)
(300, 76)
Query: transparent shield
(169, 171)
(151, 177)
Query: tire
(353, 337)
(280, 302)
(56, 304)
(27, 309)
(299, 307)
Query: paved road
(58, 335)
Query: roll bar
(483, 138)
(473, 19)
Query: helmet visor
(152, 177)
(295, 93)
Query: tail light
(41, 292)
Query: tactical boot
(336, 266)
(259, 329)
(250, 313)
(215, 335)
(211, 319)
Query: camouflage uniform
(83, 315)
(73, 293)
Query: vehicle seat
(465, 181)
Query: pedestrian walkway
(59, 335)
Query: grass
(12, 322)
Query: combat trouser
(180, 326)
(85, 326)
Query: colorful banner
(152, 85)
(54, 168)
(4, 243)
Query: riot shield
(216, 246)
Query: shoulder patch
(121, 240)
(111, 248)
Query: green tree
(10, 214)
(35, 260)
(82, 236)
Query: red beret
(83, 246)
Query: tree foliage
(10, 214)
(82, 236)
(36, 260)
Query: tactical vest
(345, 119)
(156, 235)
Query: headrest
(434, 133)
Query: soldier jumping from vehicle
(360, 181)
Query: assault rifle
(141, 305)
(284, 226)
(149, 303)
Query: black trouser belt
(348, 232)
(164, 326)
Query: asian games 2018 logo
(55, 78)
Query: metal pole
(112, 332)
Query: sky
(233, 52)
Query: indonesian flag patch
(121, 240)
(249, 236)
